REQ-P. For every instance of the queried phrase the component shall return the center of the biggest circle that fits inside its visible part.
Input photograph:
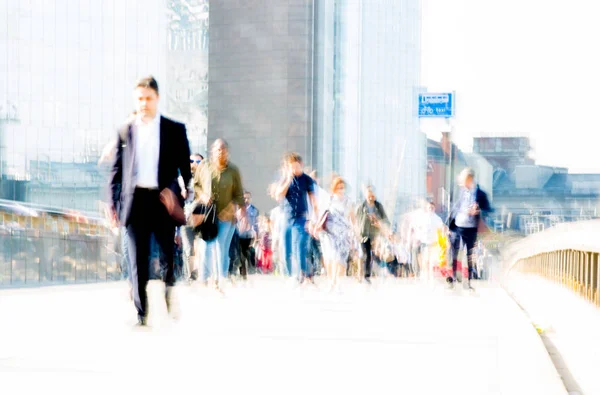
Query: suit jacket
(482, 201)
(174, 159)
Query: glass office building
(334, 80)
(67, 69)
(376, 83)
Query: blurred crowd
(196, 222)
(313, 231)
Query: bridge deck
(265, 337)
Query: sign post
(441, 105)
(436, 105)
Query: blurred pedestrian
(140, 177)
(464, 220)
(337, 233)
(218, 182)
(296, 188)
(372, 221)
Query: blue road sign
(436, 105)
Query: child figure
(265, 252)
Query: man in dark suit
(152, 151)
(464, 221)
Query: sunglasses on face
(195, 161)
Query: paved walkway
(267, 338)
(571, 326)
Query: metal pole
(588, 266)
(581, 272)
(556, 266)
(570, 268)
(562, 267)
(597, 278)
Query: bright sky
(519, 67)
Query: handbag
(208, 228)
(321, 224)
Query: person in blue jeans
(218, 182)
(296, 188)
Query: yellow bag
(443, 244)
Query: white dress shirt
(147, 148)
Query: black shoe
(194, 275)
(142, 322)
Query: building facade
(261, 93)
(529, 197)
(67, 69)
(379, 141)
(335, 81)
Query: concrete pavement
(570, 324)
(265, 337)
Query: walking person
(464, 220)
(248, 232)
(187, 232)
(277, 217)
(296, 188)
(337, 234)
(218, 182)
(426, 224)
(372, 220)
(152, 151)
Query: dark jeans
(314, 257)
(367, 249)
(468, 236)
(149, 217)
(234, 254)
(247, 256)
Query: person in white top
(426, 224)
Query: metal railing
(567, 254)
(30, 257)
(45, 247)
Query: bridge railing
(40, 246)
(567, 254)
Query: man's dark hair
(197, 154)
(247, 192)
(148, 82)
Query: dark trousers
(234, 253)
(468, 236)
(246, 256)
(149, 216)
(314, 257)
(367, 249)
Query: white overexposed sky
(519, 68)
